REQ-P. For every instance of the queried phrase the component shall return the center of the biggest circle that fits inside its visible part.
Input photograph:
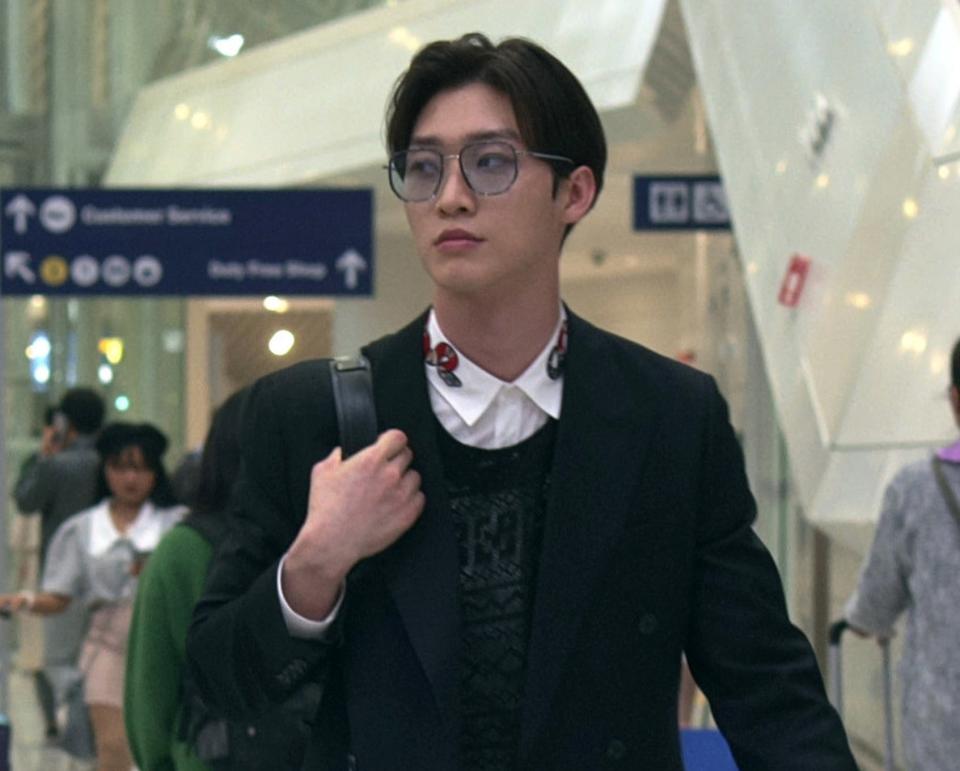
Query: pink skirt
(104, 655)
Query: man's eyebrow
(476, 136)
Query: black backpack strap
(353, 399)
(948, 494)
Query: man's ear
(955, 402)
(578, 192)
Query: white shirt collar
(478, 388)
(144, 532)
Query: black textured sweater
(498, 501)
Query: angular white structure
(835, 124)
(311, 106)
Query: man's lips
(456, 237)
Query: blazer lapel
(606, 422)
(421, 569)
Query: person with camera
(56, 482)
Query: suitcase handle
(835, 662)
(837, 628)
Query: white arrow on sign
(15, 265)
(20, 209)
(350, 263)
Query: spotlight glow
(281, 342)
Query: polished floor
(30, 750)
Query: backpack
(274, 741)
(278, 739)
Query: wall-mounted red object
(792, 287)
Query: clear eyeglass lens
(490, 167)
(418, 172)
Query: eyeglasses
(490, 168)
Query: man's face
(471, 245)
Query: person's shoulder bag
(278, 739)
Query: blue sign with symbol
(186, 242)
(679, 203)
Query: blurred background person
(24, 543)
(170, 585)
(914, 567)
(168, 726)
(56, 482)
(95, 558)
(185, 477)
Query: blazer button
(648, 624)
(616, 750)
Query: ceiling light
(901, 47)
(228, 46)
(281, 342)
(276, 304)
(913, 341)
(858, 300)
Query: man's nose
(455, 194)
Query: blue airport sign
(186, 242)
(679, 203)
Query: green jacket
(170, 585)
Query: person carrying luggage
(913, 568)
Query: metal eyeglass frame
(443, 165)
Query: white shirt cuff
(300, 626)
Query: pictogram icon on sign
(20, 209)
(350, 264)
(85, 270)
(58, 214)
(17, 265)
(54, 270)
(147, 270)
(709, 203)
(669, 202)
(116, 270)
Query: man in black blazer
(507, 578)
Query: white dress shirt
(480, 411)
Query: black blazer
(648, 552)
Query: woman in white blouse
(95, 557)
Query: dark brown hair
(220, 462)
(83, 408)
(117, 437)
(554, 113)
